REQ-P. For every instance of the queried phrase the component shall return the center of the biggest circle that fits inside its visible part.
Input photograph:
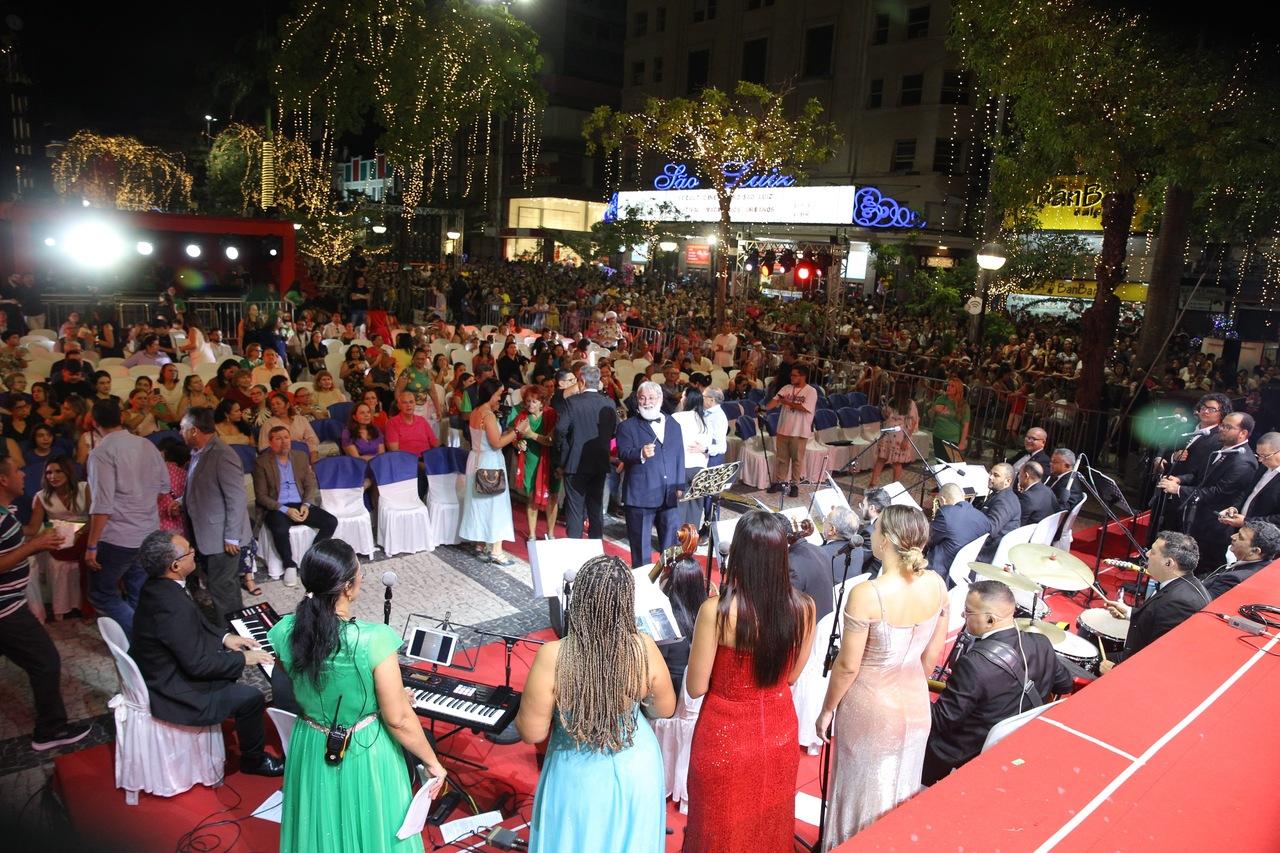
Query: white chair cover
(355, 525)
(675, 737)
(152, 755)
(811, 687)
(755, 472)
(1017, 536)
(300, 539)
(1065, 538)
(819, 459)
(1047, 529)
(443, 504)
(955, 606)
(1008, 726)
(404, 524)
(284, 726)
(959, 569)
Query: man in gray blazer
(286, 494)
(218, 508)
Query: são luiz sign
(676, 176)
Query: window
(818, 42)
(640, 24)
(657, 69)
(660, 19)
(704, 10)
(875, 95)
(912, 89)
(948, 156)
(637, 73)
(699, 70)
(755, 60)
(880, 30)
(955, 88)
(918, 22)
(904, 156)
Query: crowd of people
(548, 414)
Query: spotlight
(145, 248)
(193, 250)
(379, 229)
(94, 245)
(273, 252)
(231, 252)
(297, 226)
(84, 202)
(49, 241)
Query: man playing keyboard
(190, 666)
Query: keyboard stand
(441, 754)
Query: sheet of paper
(272, 808)
(808, 808)
(416, 817)
(464, 826)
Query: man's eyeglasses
(1263, 457)
(1210, 409)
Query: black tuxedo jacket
(1238, 573)
(1191, 470)
(652, 483)
(1175, 601)
(980, 694)
(180, 655)
(585, 424)
(1040, 456)
(1065, 498)
(1266, 506)
(954, 527)
(1036, 503)
(811, 574)
(1226, 482)
(1003, 513)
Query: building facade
(22, 166)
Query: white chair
(955, 606)
(840, 592)
(341, 482)
(164, 759)
(310, 386)
(1046, 529)
(755, 470)
(47, 334)
(284, 726)
(1065, 535)
(300, 539)
(811, 687)
(404, 523)
(445, 467)
(1017, 536)
(675, 737)
(144, 370)
(1008, 726)
(33, 341)
(111, 361)
(959, 570)
(116, 370)
(206, 371)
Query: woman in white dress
(197, 349)
(62, 498)
(486, 519)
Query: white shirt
(793, 422)
(693, 431)
(718, 425)
(659, 427)
(725, 345)
(1266, 478)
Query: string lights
(121, 172)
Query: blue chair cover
(755, 395)
(33, 482)
(824, 403)
(459, 458)
(393, 466)
(247, 454)
(749, 407)
(849, 417)
(771, 422)
(870, 414)
(301, 445)
(341, 412)
(341, 472)
(857, 398)
(438, 460)
(732, 411)
(746, 427)
(161, 434)
(824, 419)
(328, 429)
(839, 401)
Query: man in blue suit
(651, 447)
(957, 523)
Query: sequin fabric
(743, 763)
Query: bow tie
(651, 420)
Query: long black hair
(326, 570)
(686, 586)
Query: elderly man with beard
(651, 448)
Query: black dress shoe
(268, 765)
(774, 488)
(795, 491)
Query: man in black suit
(1254, 546)
(1171, 562)
(190, 666)
(585, 425)
(1188, 464)
(1001, 508)
(1226, 478)
(957, 523)
(811, 573)
(1262, 501)
(651, 447)
(1066, 488)
(1035, 499)
(1034, 445)
(1003, 674)
(873, 503)
(838, 527)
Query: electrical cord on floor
(199, 839)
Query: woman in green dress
(417, 380)
(535, 468)
(951, 420)
(346, 671)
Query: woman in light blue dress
(486, 519)
(602, 784)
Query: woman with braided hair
(894, 630)
(601, 787)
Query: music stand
(1089, 486)
(708, 484)
(446, 624)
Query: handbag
(490, 481)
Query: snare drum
(1098, 625)
(1080, 652)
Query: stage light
(49, 241)
(94, 244)
(273, 252)
(193, 250)
(144, 248)
(84, 202)
(379, 229)
(231, 252)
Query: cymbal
(995, 573)
(1051, 567)
(1038, 626)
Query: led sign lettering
(675, 176)
(872, 209)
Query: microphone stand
(833, 650)
(1087, 484)
(854, 461)
(764, 445)
(386, 607)
(508, 735)
(927, 471)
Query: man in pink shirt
(408, 432)
(799, 401)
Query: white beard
(650, 413)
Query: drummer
(987, 682)
(1171, 562)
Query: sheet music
(653, 609)
(415, 819)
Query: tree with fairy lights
(729, 139)
(1127, 106)
(121, 172)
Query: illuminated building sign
(676, 176)
(1074, 203)
(778, 205)
(872, 209)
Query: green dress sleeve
(279, 636)
(383, 641)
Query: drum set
(1039, 567)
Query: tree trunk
(724, 264)
(1166, 275)
(1100, 320)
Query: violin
(686, 545)
(801, 528)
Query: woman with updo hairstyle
(602, 784)
(346, 671)
(894, 630)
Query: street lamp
(208, 125)
(667, 245)
(990, 258)
(379, 229)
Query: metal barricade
(58, 308)
(215, 312)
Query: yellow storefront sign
(1074, 203)
(1132, 291)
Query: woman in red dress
(750, 644)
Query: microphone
(1071, 479)
(1123, 564)
(855, 541)
(389, 580)
(891, 429)
(1182, 418)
